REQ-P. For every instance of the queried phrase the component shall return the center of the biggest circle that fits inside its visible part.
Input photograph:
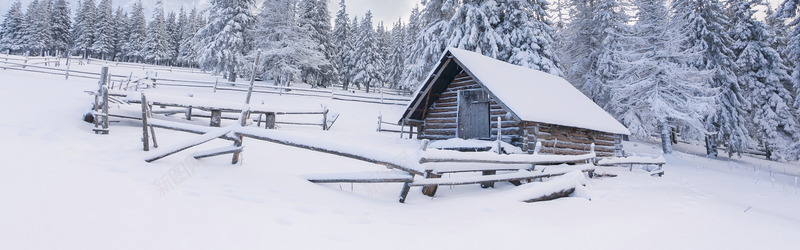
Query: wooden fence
(49, 65)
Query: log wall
(564, 140)
(441, 118)
(440, 123)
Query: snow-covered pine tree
(315, 15)
(137, 33)
(120, 33)
(286, 47)
(791, 9)
(412, 30)
(395, 60)
(472, 28)
(188, 53)
(771, 121)
(156, 45)
(223, 42)
(182, 30)
(431, 40)
(60, 27)
(83, 33)
(38, 33)
(104, 30)
(349, 55)
(707, 35)
(13, 29)
(369, 64)
(173, 38)
(778, 25)
(527, 35)
(586, 39)
(384, 39)
(654, 91)
(341, 35)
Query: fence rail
(34, 64)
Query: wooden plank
(217, 152)
(164, 152)
(522, 175)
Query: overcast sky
(382, 10)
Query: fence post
(216, 81)
(380, 120)
(324, 118)
(402, 127)
(499, 135)
(145, 137)
(381, 90)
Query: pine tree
(708, 36)
(395, 60)
(527, 35)
(287, 48)
(83, 31)
(188, 53)
(654, 91)
(588, 37)
(368, 67)
(38, 33)
(120, 33)
(772, 122)
(136, 33)
(341, 36)
(183, 29)
(791, 9)
(223, 42)
(350, 55)
(384, 41)
(104, 30)
(60, 26)
(431, 41)
(472, 28)
(13, 29)
(315, 15)
(173, 38)
(156, 47)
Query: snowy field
(63, 187)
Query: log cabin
(466, 92)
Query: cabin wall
(564, 140)
(441, 118)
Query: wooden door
(473, 115)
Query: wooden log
(404, 192)
(488, 184)
(563, 193)
(430, 190)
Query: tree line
(706, 68)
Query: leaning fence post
(145, 137)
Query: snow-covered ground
(63, 187)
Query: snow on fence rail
(26, 64)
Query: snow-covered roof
(533, 95)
